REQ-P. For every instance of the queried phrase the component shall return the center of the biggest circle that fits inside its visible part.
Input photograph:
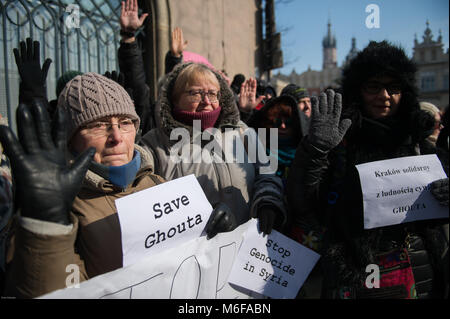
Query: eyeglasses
(287, 122)
(197, 96)
(103, 128)
(376, 87)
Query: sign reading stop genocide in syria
(274, 265)
(397, 191)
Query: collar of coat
(95, 181)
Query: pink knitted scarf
(208, 119)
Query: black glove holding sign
(222, 220)
(32, 76)
(439, 189)
(45, 184)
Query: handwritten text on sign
(398, 190)
(273, 265)
(161, 217)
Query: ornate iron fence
(76, 34)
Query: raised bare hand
(178, 44)
(247, 96)
(129, 18)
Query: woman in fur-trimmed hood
(378, 60)
(195, 92)
(380, 99)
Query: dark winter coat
(327, 189)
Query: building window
(445, 82)
(422, 56)
(427, 82)
(433, 55)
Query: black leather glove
(116, 77)
(326, 130)
(45, 184)
(439, 189)
(222, 220)
(267, 218)
(119, 78)
(33, 77)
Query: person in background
(132, 67)
(443, 138)
(300, 95)
(280, 113)
(6, 208)
(236, 83)
(436, 114)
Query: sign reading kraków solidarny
(161, 217)
(273, 265)
(397, 190)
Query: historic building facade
(432, 63)
(317, 81)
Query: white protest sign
(198, 269)
(274, 265)
(161, 217)
(397, 190)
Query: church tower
(329, 50)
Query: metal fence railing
(76, 34)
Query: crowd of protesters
(104, 138)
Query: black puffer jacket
(132, 66)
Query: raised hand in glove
(45, 184)
(439, 189)
(222, 220)
(32, 76)
(116, 77)
(326, 130)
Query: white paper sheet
(398, 190)
(197, 269)
(161, 217)
(273, 265)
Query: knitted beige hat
(91, 96)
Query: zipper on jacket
(396, 267)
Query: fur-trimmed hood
(229, 115)
(380, 59)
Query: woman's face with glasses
(199, 97)
(381, 96)
(113, 138)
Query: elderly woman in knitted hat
(73, 225)
(193, 93)
(62, 224)
(381, 120)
